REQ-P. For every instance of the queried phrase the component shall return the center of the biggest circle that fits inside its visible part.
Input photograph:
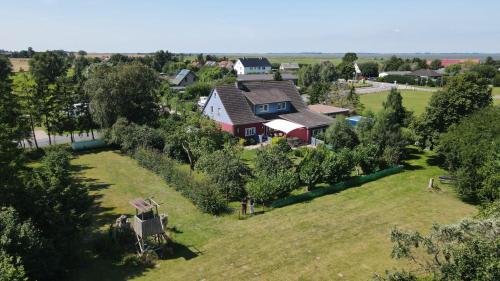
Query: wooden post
(431, 183)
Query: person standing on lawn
(244, 206)
(252, 210)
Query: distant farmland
(20, 64)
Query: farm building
(252, 66)
(184, 78)
(250, 110)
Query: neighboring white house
(252, 66)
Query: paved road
(381, 86)
(43, 138)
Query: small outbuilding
(184, 78)
(328, 110)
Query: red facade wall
(300, 133)
(239, 130)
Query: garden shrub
(204, 194)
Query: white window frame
(263, 107)
(281, 105)
(250, 131)
(218, 111)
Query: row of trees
(42, 210)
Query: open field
(19, 64)
(343, 236)
(412, 100)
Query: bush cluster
(204, 194)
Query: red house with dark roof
(247, 109)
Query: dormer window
(264, 107)
(281, 106)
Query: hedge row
(204, 195)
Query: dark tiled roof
(236, 105)
(255, 62)
(426, 73)
(308, 119)
(265, 77)
(286, 87)
(240, 111)
(260, 96)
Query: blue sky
(251, 26)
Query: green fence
(355, 181)
(86, 145)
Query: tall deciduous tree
(48, 68)
(463, 94)
(471, 150)
(129, 90)
(310, 168)
(226, 168)
(341, 135)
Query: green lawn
(412, 100)
(496, 95)
(343, 236)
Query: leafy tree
(116, 59)
(273, 175)
(369, 69)
(387, 135)
(484, 71)
(310, 168)
(277, 76)
(309, 74)
(394, 106)
(200, 59)
(346, 70)
(129, 90)
(194, 138)
(341, 135)
(11, 269)
(435, 64)
(338, 166)
(463, 94)
(228, 171)
(366, 158)
(48, 70)
(419, 63)
(349, 58)
(317, 92)
(22, 248)
(393, 63)
(471, 152)
(25, 87)
(353, 101)
(196, 90)
(496, 80)
(65, 206)
(328, 72)
(464, 251)
(12, 127)
(453, 69)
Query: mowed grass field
(415, 101)
(342, 236)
